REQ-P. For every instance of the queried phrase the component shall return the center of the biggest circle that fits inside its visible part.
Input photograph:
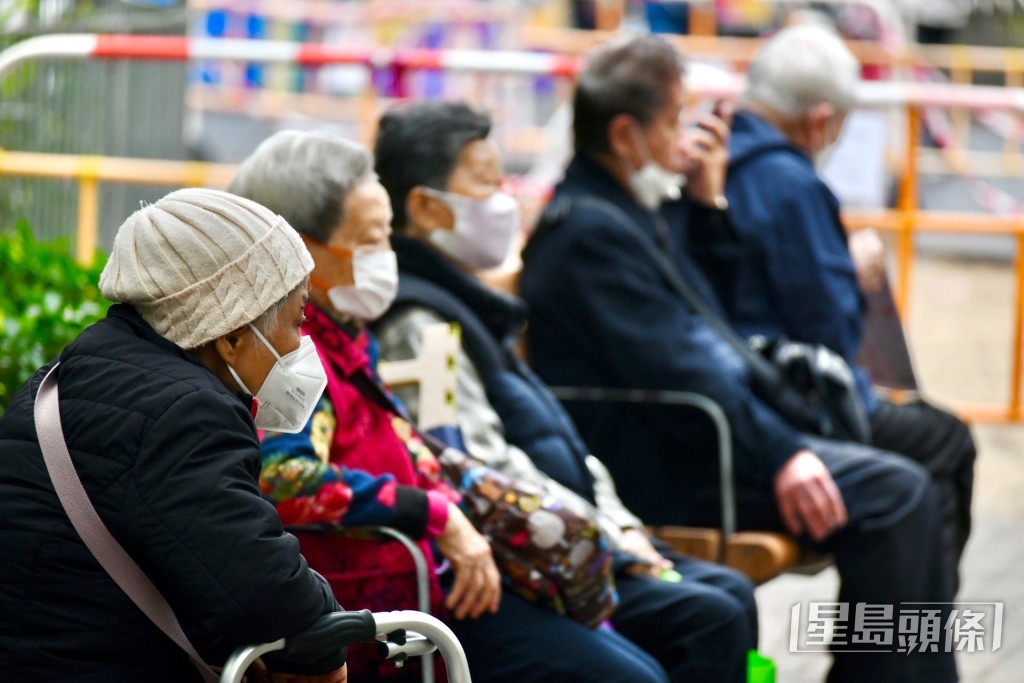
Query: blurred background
(218, 110)
(89, 128)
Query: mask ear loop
(638, 137)
(437, 194)
(234, 375)
(238, 380)
(264, 340)
(336, 252)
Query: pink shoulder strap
(111, 556)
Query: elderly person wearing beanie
(356, 462)
(157, 415)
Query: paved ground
(960, 320)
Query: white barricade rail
(912, 97)
(509, 62)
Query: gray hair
(267, 322)
(629, 75)
(800, 67)
(305, 177)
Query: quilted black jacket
(170, 459)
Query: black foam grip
(334, 630)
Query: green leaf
(46, 300)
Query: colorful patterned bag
(548, 550)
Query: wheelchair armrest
(674, 398)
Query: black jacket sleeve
(212, 544)
(653, 341)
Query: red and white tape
(176, 48)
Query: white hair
(800, 67)
(305, 177)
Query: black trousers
(696, 631)
(943, 445)
(891, 552)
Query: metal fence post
(908, 209)
(87, 236)
(1014, 412)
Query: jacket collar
(752, 135)
(503, 315)
(585, 176)
(126, 314)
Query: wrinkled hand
(477, 582)
(808, 498)
(868, 254)
(705, 149)
(258, 673)
(636, 542)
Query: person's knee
(718, 650)
(730, 623)
(741, 590)
(952, 432)
(908, 477)
(619, 665)
(740, 587)
(962, 437)
(893, 489)
(635, 673)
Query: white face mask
(292, 389)
(652, 183)
(484, 229)
(376, 284)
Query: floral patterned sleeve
(305, 487)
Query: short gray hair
(800, 67)
(267, 322)
(305, 177)
(628, 75)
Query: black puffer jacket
(170, 459)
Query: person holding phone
(605, 314)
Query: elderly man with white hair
(801, 281)
(608, 309)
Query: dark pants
(943, 444)
(890, 552)
(697, 630)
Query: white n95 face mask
(652, 183)
(292, 389)
(376, 284)
(483, 231)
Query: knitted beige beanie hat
(200, 263)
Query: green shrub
(46, 299)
